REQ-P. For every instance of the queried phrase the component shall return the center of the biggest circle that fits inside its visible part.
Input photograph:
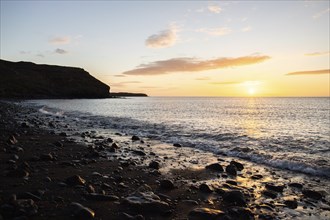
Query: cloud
(246, 29)
(60, 40)
(225, 83)
(193, 65)
(60, 51)
(123, 84)
(310, 72)
(321, 13)
(214, 9)
(40, 55)
(165, 38)
(119, 75)
(215, 31)
(203, 78)
(318, 53)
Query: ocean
(286, 133)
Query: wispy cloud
(193, 65)
(60, 51)
(321, 13)
(215, 31)
(123, 84)
(165, 38)
(119, 75)
(310, 72)
(40, 55)
(318, 53)
(60, 40)
(214, 9)
(246, 29)
(203, 78)
(225, 83)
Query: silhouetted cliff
(26, 80)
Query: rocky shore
(53, 169)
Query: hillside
(26, 80)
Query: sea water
(287, 133)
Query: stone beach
(54, 168)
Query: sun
(251, 91)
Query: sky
(178, 48)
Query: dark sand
(116, 181)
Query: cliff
(26, 80)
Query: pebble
(292, 204)
(296, 185)
(234, 197)
(276, 188)
(154, 165)
(177, 145)
(215, 166)
(167, 184)
(238, 165)
(312, 194)
(205, 214)
(78, 211)
(101, 197)
(75, 180)
(231, 169)
(135, 138)
(205, 188)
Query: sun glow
(251, 87)
(251, 91)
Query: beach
(53, 169)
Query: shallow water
(290, 133)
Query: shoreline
(137, 179)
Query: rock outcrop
(26, 80)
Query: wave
(262, 151)
(47, 111)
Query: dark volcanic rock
(166, 184)
(146, 201)
(75, 180)
(135, 138)
(238, 165)
(28, 80)
(205, 188)
(296, 185)
(81, 212)
(234, 197)
(231, 169)
(240, 213)
(204, 213)
(269, 194)
(101, 197)
(276, 188)
(154, 165)
(292, 204)
(312, 194)
(177, 145)
(215, 166)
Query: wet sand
(53, 169)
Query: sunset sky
(178, 48)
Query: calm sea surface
(291, 133)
